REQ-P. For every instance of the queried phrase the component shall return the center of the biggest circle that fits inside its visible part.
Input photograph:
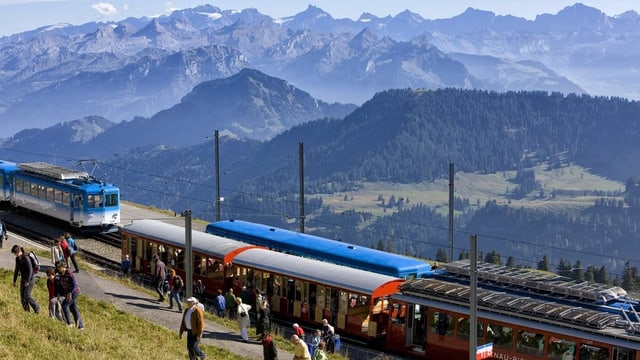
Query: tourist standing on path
(27, 279)
(125, 265)
(269, 350)
(73, 247)
(230, 299)
(243, 319)
(193, 324)
(66, 250)
(56, 254)
(221, 304)
(161, 274)
(70, 289)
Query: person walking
(73, 250)
(193, 324)
(161, 274)
(70, 289)
(269, 349)
(27, 279)
(243, 319)
(175, 284)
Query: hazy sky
(20, 15)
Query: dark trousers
(160, 288)
(75, 264)
(69, 308)
(193, 346)
(25, 296)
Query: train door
(416, 326)
(76, 209)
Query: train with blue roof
(72, 196)
(316, 247)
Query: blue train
(69, 195)
(291, 242)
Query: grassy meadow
(109, 333)
(478, 188)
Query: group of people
(64, 250)
(62, 286)
(323, 342)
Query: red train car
(430, 320)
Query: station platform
(139, 304)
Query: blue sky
(21, 15)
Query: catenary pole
(473, 307)
(188, 258)
(217, 154)
(301, 162)
(451, 191)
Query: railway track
(44, 232)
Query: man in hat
(193, 324)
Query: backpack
(177, 283)
(35, 262)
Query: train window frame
(436, 320)
(33, 191)
(559, 348)
(499, 334)
(528, 342)
(42, 192)
(19, 186)
(66, 198)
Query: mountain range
(140, 66)
(158, 88)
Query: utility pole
(217, 154)
(301, 162)
(451, 206)
(188, 257)
(473, 296)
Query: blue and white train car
(323, 249)
(61, 193)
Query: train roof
(539, 281)
(212, 245)
(8, 166)
(520, 310)
(337, 276)
(322, 248)
(54, 172)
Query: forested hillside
(410, 137)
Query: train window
(320, 297)
(111, 200)
(620, 353)
(464, 331)
(530, 343)
(19, 185)
(42, 192)
(560, 349)
(66, 198)
(50, 193)
(592, 352)
(34, 190)
(343, 305)
(58, 196)
(441, 323)
(500, 336)
(94, 201)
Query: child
(55, 307)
